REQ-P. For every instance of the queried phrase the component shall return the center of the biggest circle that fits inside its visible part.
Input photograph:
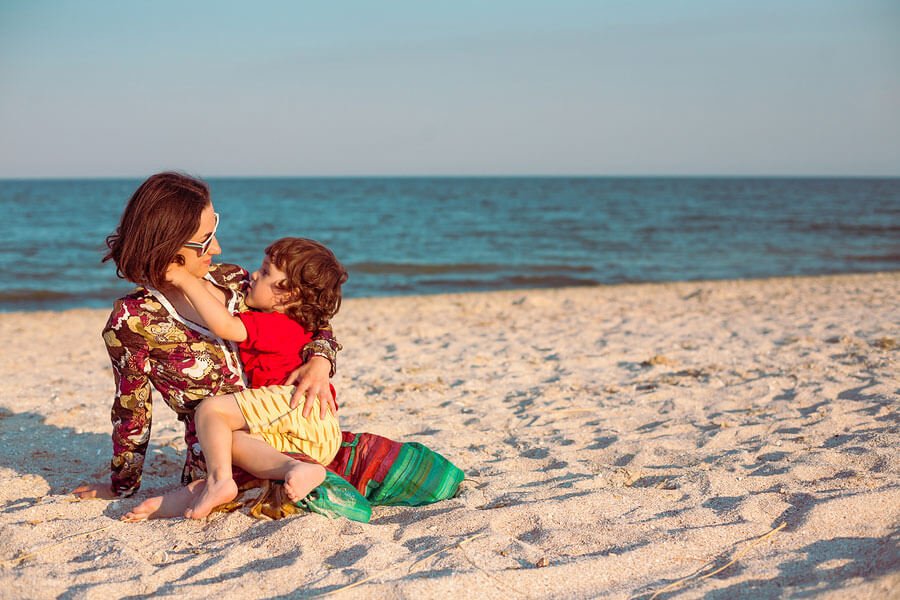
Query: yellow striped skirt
(269, 416)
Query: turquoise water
(433, 235)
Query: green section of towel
(335, 497)
(418, 476)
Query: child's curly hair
(313, 279)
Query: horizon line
(459, 176)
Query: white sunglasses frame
(203, 246)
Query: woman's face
(194, 262)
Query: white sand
(617, 439)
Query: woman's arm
(214, 313)
(324, 344)
(128, 351)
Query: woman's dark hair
(162, 214)
(313, 279)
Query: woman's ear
(179, 259)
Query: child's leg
(263, 461)
(172, 504)
(216, 419)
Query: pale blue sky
(658, 87)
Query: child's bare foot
(172, 504)
(215, 493)
(301, 479)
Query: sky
(352, 88)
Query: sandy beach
(618, 441)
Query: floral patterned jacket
(150, 343)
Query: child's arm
(218, 319)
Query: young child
(296, 291)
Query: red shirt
(272, 348)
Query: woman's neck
(183, 305)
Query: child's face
(264, 292)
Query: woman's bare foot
(215, 493)
(172, 504)
(301, 479)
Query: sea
(432, 235)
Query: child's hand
(177, 274)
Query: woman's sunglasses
(203, 246)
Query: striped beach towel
(384, 471)
(390, 473)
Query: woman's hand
(312, 380)
(94, 490)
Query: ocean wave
(36, 295)
(875, 258)
(861, 229)
(509, 282)
(397, 268)
(45, 299)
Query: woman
(154, 336)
